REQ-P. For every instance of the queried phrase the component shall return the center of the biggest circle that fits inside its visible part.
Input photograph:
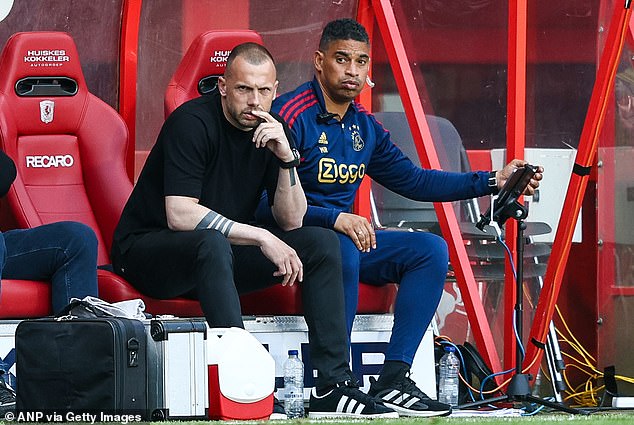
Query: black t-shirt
(199, 154)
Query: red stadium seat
(69, 148)
(202, 64)
(196, 75)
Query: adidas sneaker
(347, 401)
(407, 399)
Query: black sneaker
(407, 399)
(347, 401)
(279, 413)
(7, 398)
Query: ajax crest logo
(357, 141)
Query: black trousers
(203, 264)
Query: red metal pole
(362, 200)
(427, 154)
(578, 181)
(128, 74)
(365, 17)
(516, 138)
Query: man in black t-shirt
(186, 228)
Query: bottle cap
(293, 352)
(450, 348)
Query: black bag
(477, 370)
(473, 369)
(95, 365)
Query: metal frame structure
(608, 63)
(381, 13)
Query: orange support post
(578, 181)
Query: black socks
(393, 370)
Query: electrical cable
(602, 111)
(586, 393)
(520, 344)
(493, 375)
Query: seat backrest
(68, 146)
(202, 64)
(393, 208)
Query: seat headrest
(207, 57)
(43, 82)
(40, 54)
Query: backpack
(473, 370)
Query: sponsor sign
(48, 161)
(219, 57)
(48, 58)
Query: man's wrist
(492, 182)
(293, 162)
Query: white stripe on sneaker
(392, 395)
(343, 401)
(353, 406)
(413, 401)
(349, 405)
(359, 409)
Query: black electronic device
(506, 205)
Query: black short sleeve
(187, 151)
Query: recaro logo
(48, 161)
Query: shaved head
(252, 53)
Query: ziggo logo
(48, 161)
(331, 172)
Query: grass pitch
(620, 418)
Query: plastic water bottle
(448, 385)
(293, 386)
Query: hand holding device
(506, 205)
